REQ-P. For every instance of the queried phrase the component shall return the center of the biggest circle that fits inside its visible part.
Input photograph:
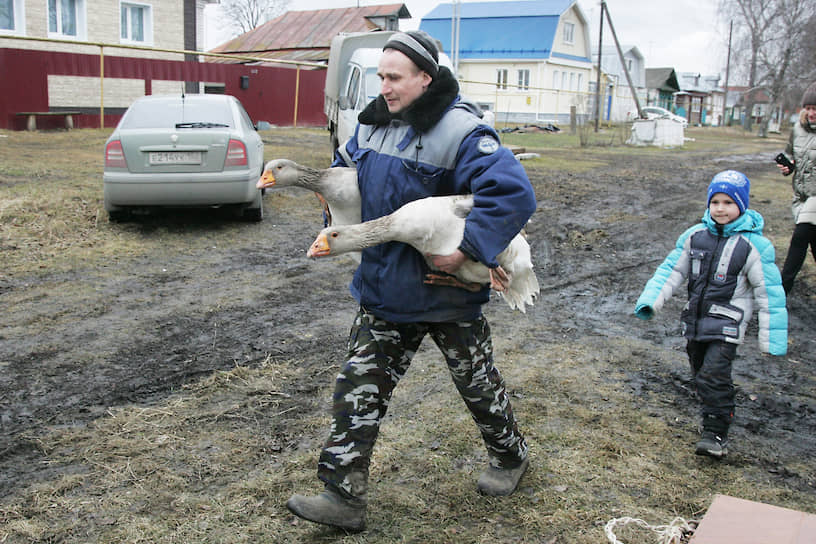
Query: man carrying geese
(417, 139)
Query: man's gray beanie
(418, 46)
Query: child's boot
(714, 439)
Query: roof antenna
(182, 91)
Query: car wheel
(254, 212)
(117, 216)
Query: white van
(351, 79)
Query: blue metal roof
(499, 30)
(524, 8)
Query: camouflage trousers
(379, 354)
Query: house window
(136, 23)
(569, 32)
(564, 80)
(572, 81)
(629, 65)
(66, 18)
(523, 80)
(555, 79)
(580, 82)
(501, 78)
(11, 16)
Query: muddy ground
(74, 344)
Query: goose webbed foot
(499, 279)
(327, 216)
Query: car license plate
(175, 157)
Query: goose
(435, 226)
(336, 188)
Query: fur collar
(803, 120)
(426, 110)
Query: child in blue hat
(728, 265)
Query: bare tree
(803, 67)
(774, 39)
(244, 15)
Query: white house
(619, 99)
(527, 61)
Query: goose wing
(338, 186)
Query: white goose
(335, 187)
(435, 226)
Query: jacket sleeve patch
(488, 145)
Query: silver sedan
(197, 150)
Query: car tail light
(115, 155)
(236, 154)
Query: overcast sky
(682, 34)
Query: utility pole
(623, 63)
(598, 81)
(455, 18)
(727, 69)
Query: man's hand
(448, 263)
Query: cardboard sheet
(737, 521)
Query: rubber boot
(330, 508)
(498, 482)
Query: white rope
(666, 534)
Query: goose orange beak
(320, 247)
(267, 180)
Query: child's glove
(644, 311)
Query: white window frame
(556, 79)
(147, 10)
(501, 79)
(523, 79)
(569, 33)
(81, 20)
(18, 22)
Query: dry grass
(51, 211)
(211, 464)
(202, 465)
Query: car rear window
(167, 114)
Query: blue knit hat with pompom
(734, 184)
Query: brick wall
(102, 23)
